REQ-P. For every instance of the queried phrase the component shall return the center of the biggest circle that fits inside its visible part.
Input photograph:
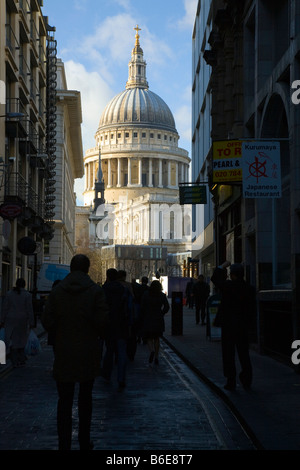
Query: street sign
(227, 161)
(192, 194)
(261, 170)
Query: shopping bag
(33, 345)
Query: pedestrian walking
(200, 293)
(132, 338)
(144, 286)
(117, 331)
(154, 306)
(189, 293)
(17, 318)
(76, 311)
(236, 313)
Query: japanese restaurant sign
(261, 169)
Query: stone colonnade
(176, 172)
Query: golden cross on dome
(137, 29)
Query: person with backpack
(118, 327)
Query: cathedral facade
(137, 161)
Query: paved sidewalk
(270, 410)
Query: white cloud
(95, 94)
(190, 13)
(182, 118)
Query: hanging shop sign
(227, 156)
(10, 210)
(195, 194)
(261, 169)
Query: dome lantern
(137, 65)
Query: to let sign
(227, 166)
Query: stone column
(160, 173)
(140, 172)
(109, 173)
(176, 174)
(88, 175)
(169, 174)
(150, 174)
(119, 173)
(129, 172)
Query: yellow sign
(227, 163)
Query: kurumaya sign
(261, 170)
(227, 161)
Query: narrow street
(164, 407)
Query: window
(144, 135)
(119, 135)
(151, 135)
(111, 136)
(159, 136)
(135, 134)
(165, 137)
(126, 135)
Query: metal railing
(17, 188)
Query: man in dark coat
(200, 293)
(189, 293)
(117, 331)
(236, 312)
(75, 313)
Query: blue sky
(95, 39)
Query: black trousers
(236, 340)
(64, 414)
(200, 311)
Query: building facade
(69, 166)
(40, 146)
(253, 55)
(141, 167)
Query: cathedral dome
(139, 107)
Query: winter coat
(76, 311)
(153, 309)
(201, 292)
(120, 310)
(17, 316)
(237, 308)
